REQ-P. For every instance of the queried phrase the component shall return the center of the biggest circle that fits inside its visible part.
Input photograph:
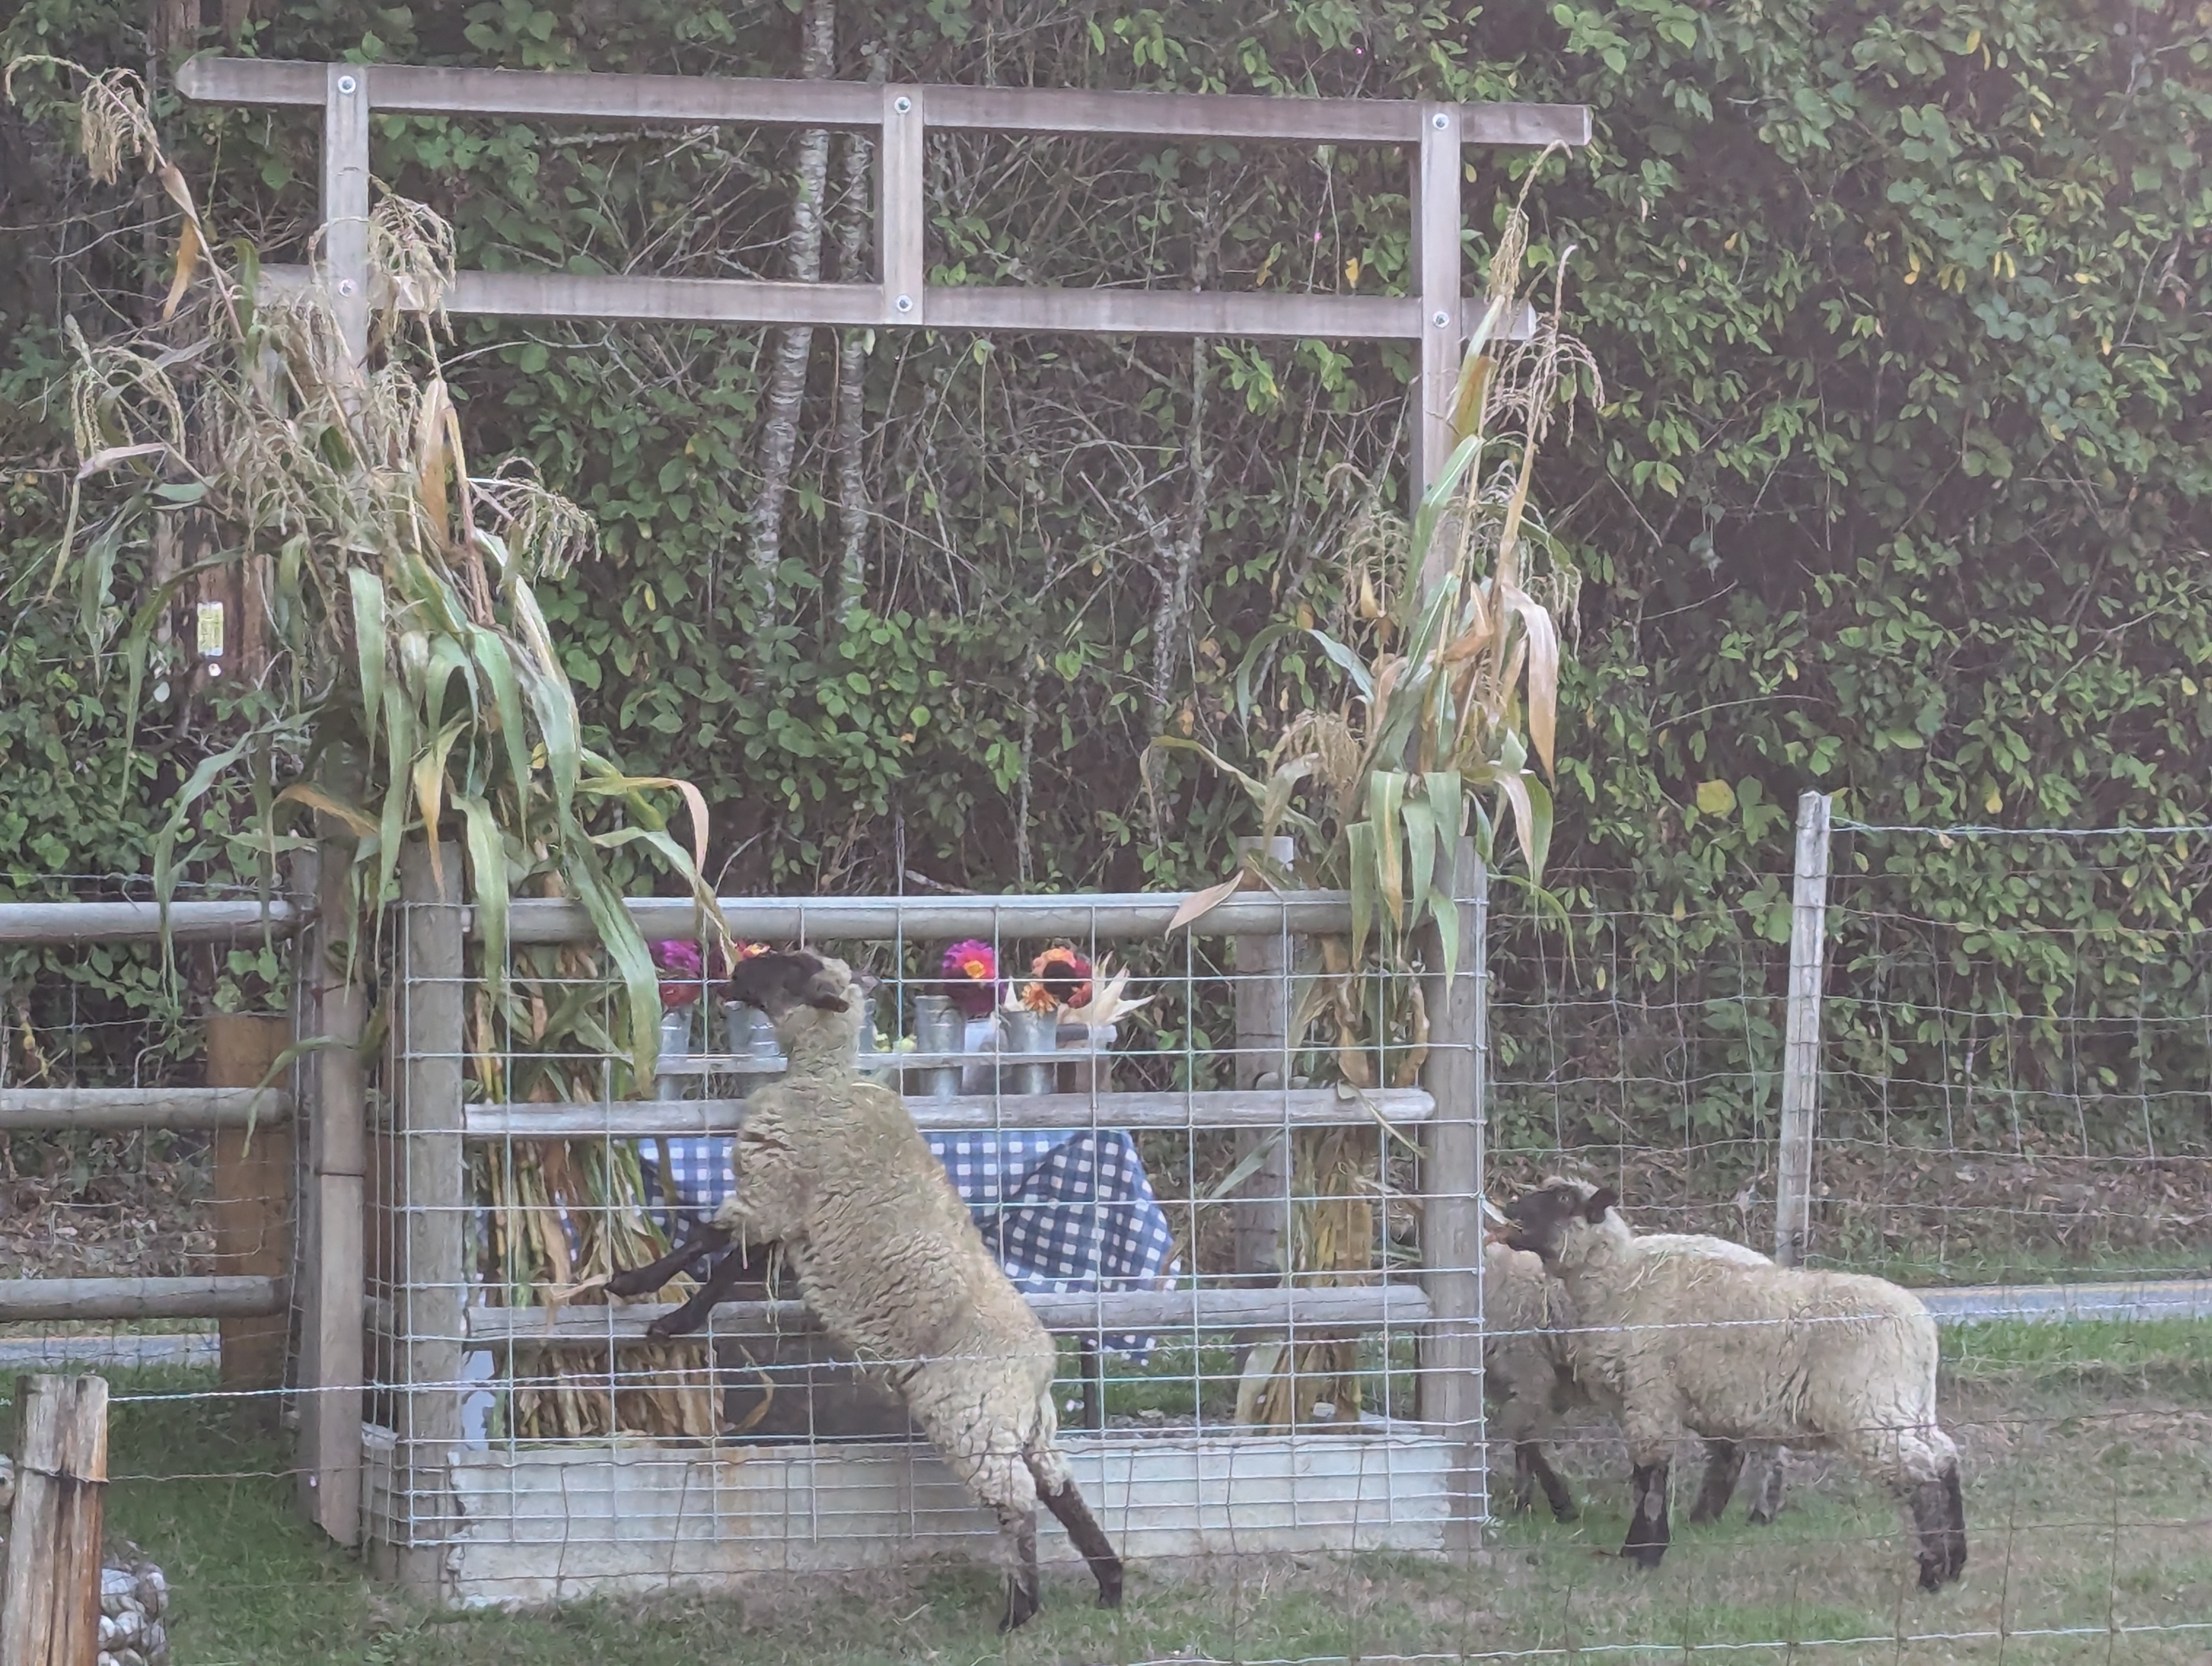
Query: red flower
(971, 977)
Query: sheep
(831, 1166)
(1529, 1362)
(1740, 1352)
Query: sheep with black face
(1740, 1352)
(831, 1166)
(1534, 1368)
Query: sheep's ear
(1599, 1200)
(827, 991)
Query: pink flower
(971, 977)
(681, 961)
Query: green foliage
(1902, 492)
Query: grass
(2089, 1488)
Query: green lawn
(2088, 1490)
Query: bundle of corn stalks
(1446, 692)
(564, 1215)
(413, 688)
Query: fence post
(253, 1186)
(49, 1596)
(430, 1238)
(1453, 1160)
(1801, 1055)
(1262, 1221)
(332, 1271)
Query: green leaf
(1352, 666)
(1716, 798)
(488, 867)
(1386, 791)
(369, 646)
(1420, 857)
(1359, 844)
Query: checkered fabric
(1065, 1212)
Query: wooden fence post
(253, 1187)
(50, 1595)
(332, 1213)
(1452, 1178)
(1261, 999)
(1801, 1050)
(431, 1222)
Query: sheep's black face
(779, 983)
(1541, 1217)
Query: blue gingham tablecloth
(1065, 1212)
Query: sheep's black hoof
(1109, 1597)
(1566, 1512)
(1021, 1609)
(1647, 1557)
(1932, 1574)
(1756, 1515)
(668, 1325)
(637, 1281)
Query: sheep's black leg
(1093, 1361)
(1766, 1490)
(1955, 1561)
(1017, 1530)
(693, 1314)
(1529, 1463)
(1088, 1539)
(1723, 1464)
(643, 1280)
(1647, 1527)
(1931, 1531)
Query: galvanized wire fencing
(1264, 1286)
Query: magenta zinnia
(681, 961)
(971, 977)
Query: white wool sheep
(1533, 1371)
(830, 1165)
(1742, 1351)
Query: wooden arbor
(1437, 316)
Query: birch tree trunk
(787, 387)
(854, 510)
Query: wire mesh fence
(1247, 1264)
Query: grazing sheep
(1532, 1371)
(831, 1166)
(1736, 1351)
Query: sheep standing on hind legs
(1747, 1353)
(830, 1165)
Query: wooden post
(332, 1271)
(253, 1182)
(432, 1219)
(1437, 271)
(1452, 1178)
(345, 202)
(1801, 1055)
(50, 1594)
(902, 208)
(1261, 1229)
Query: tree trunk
(1171, 612)
(854, 511)
(795, 343)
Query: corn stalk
(1443, 723)
(415, 689)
